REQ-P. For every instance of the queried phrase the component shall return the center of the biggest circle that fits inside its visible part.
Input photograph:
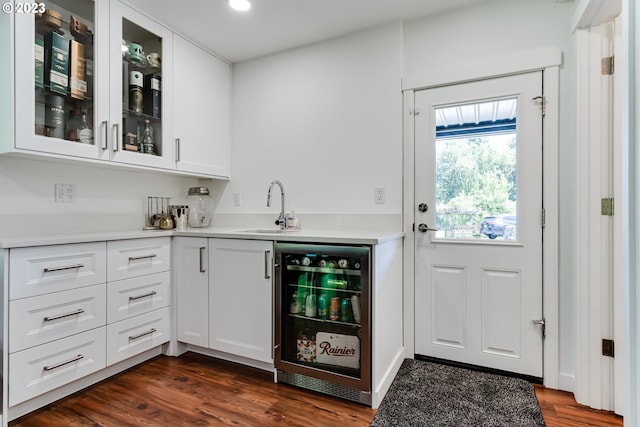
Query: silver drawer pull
(150, 294)
(61, 316)
(52, 367)
(135, 337)
(136, 258)
(68, 267)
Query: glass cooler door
(323, 326)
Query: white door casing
(475, 300)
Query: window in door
(476, 170)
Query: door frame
(548, 60)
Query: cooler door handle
(177, 149)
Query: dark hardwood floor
(195, 390)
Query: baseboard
(529, 378)
(265, 366)
(385, 382)
(567, 383)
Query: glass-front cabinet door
(55, 77)
(90, 82)
(140, 70)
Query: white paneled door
(478, 223)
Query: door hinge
(607, 206)
(543, 217)
(607, 65)
(543, 103)
(608, 348)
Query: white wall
(497, 28)
(106, 199)
(326, 120)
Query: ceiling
(275, 25)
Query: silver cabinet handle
(177, 149)
(62, 316)
(149, 332)
(266, 265)
(136, 258)
(202, 269)
(52, 367)
(117, 141)
(150, 294)
(106, 134)
(68, 267)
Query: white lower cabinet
(130, 297)
(42, 270)
(138, 296)
(40, 369)
(137, 334)
(44, 318)
(75, 309)
(137, 257)
(191, 269)
(241, 298)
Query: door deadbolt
(424, 228)
(423, 207)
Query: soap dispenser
(292, 220)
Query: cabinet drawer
(40, 369)
(137, 334)
(41, 319)
(137, 257)
(130, 297)
(45, 269)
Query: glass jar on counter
(200, 207)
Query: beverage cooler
(323, 318)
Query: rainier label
(337, 349)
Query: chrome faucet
(282, 220)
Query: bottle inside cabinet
(142, 88)
(64, 56)
(323, 296)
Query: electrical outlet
(65, 193)
(237, 199)
(378, 195)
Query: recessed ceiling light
(241, 5)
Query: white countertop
(362, 237)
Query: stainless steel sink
(267, 231)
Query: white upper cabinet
(140, 81)
(50, 105)
(113, 68)
(202, 97)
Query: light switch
(378, 195)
